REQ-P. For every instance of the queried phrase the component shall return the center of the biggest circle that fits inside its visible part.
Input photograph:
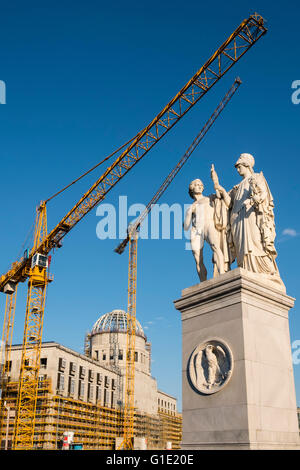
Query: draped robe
(252, 225)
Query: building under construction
(84, 393)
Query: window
(81, 371)
(60, 382)
(103, 356)
(99, 378)
(91, 375)
(98, 394)
(97, 355)
(136, 356)
(106, 381)
(113, 384)
(105, 397)
(43, 261)
(120, 357)
(80, 389)
(8, 366)
(43, 363)
(71, 388)
(90, 391)
(42, 379)
(61, 363)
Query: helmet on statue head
(246, 159)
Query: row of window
(62, 366)
(111, 356)
(71, 380)
(43, 364)
(165, 404)
(83, 372)
(93, 391)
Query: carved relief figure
(211, 366)
(213, 369)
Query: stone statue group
(238, 224)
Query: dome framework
(116, 322)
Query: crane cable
(30, 233)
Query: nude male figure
(200, 216)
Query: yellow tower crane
(34, 265)
(38, 280)
(132, 239)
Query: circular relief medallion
(210, 366)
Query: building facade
(84, 393)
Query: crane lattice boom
(237, 44)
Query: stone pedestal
(253, 406)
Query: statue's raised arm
(221, 193)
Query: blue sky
(84, 77)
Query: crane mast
(130, 343)
(33, 266)
(6, 343)
(132, 239)
(7, 332)
(30, 361)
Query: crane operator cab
(39, 260)
(39, 266)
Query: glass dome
(115, 321)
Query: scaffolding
(170, 429)
(95, 426)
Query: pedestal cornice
(232, 287)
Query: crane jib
(237, 44)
